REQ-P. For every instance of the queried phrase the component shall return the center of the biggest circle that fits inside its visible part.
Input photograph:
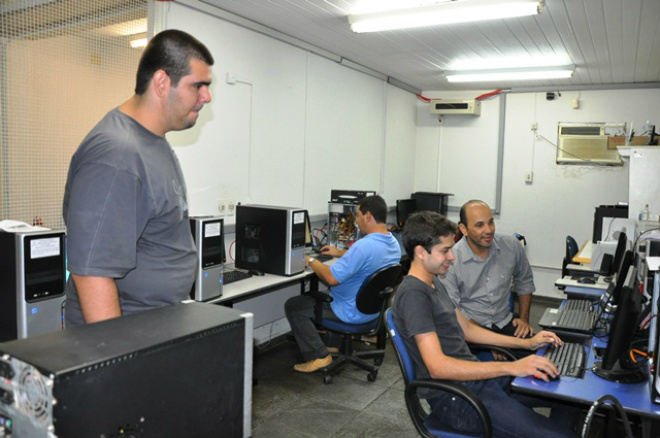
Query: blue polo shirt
(369, 254)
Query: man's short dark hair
(462, 216)
(425, 228)
(376, 206)
(171, 51)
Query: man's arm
(522, 325)
(98, 296)
(322, 270)
(444, 367)
(523, 284)
(476, 334)
(332, 251)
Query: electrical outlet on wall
(231, 207)
(223, 206)
(529, 177)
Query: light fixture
(138, 42)
(511, 74)
(458, 11)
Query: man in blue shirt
(377, 249)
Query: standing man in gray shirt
(129, 243)
(487, 266)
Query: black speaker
(606, 267)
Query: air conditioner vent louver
(470, 107)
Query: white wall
(562, 198)
(294, 126)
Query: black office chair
(372, 298)
(425, 426)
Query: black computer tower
(208, 233)
(176, 371)
(432, 201)
(32, 278)
(270, 239)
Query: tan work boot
(313, 365)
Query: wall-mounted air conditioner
(588, 143)
(470, 107)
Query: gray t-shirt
(418, 308)
(127, 218)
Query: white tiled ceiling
(611, 42)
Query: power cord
(601, 401)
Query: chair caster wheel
(372, 377)
(327, 379)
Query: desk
(584, 254)
(258, 285)
(635, 397)
(575, 289)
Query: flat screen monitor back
(621, 246)
(404, 208)
(616, 365)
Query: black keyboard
(577, 315)
(234, 275)
(320, 256)
(569, 358)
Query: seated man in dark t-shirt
(435, 333)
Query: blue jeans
(510, 414)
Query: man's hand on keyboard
(523, 329)
(332, 251)
(543, 338)
(537, 366)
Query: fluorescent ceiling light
(138, 42)
(510, 61)
(459, 11)
(511, 74)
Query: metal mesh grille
(63, 65)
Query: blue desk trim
(635, 398)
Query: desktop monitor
(621, 246)
(622, 274)
(616, 364)
(404, 208)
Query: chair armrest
(482, 347)
(320, 296)
(455, 389)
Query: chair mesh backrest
(368, 300)
(405, 361)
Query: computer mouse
(552, 379)
(256, 272)
(586, 280)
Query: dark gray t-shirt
(127, 218)
(418, 308)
